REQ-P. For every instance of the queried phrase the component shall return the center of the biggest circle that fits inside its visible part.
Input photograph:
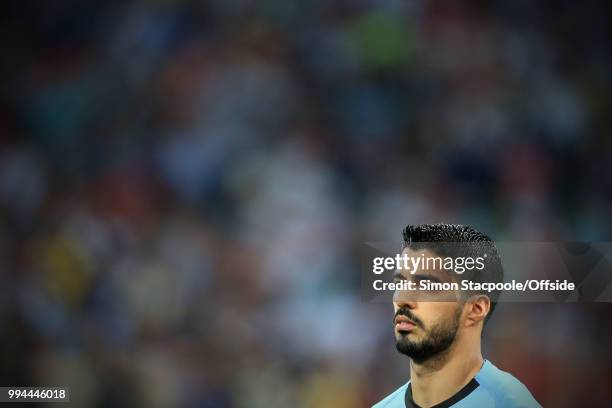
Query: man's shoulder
(504, 388)
(393, 400)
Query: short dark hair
(455, 240)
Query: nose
(402, 299)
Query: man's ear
(479, 307)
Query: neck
(440, 377)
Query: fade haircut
(453, 240)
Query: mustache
(404, 311)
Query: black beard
(438, 339)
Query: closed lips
(404, 323)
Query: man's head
(429, 324)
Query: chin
(400, 336)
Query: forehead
(425, 268)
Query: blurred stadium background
(185, 186)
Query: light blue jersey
(491, 387)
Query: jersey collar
(461, 394)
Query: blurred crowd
(185, 187)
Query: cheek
(433, 313)
(449, 313)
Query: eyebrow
(426, 277)
(398, 275)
